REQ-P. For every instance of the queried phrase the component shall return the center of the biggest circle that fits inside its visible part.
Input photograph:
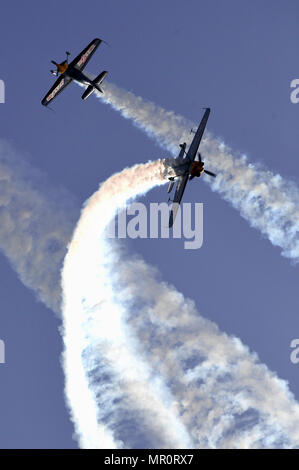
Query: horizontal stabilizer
(89, 90)
(100, 78)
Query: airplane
(187, 167)
(74, 71)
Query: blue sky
(238, 57)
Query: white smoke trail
(115, 309)
(226, 397)
(21, 215)
(132, 401)
(40, 220)
(267, 201)
(36, 223)
(34, 229)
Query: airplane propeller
(209, 173)
(205, 171)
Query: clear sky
(238, 57)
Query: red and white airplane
(74, 71)
(188, 167)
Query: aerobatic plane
(74, 71)
(187, 167)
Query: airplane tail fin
(99, 79)
(95, 85)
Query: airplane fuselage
(185, 169)
(72, 72)
(79, 76)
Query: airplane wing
(198, 136)
(61, 83)
(179, 191)
(83, 58)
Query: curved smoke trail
(134, 406)
(149, 357)
(266, 200)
